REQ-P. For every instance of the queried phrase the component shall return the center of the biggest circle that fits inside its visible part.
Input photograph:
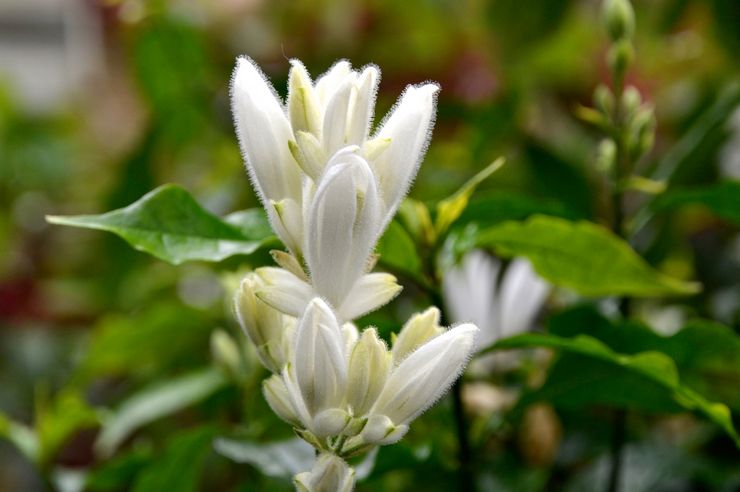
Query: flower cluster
(330, 189)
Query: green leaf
(449, 209)
(722, 199)
(398, 251)
(160, 337)
(618, 379)
(582, 256)
(154, 403)
(494, 207)
(180, 465)
(169, 224)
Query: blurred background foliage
(102, 101)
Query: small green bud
(226, 352)
(620, 56)
(604, 100)
(619, 18)
(631, 101)
(642, 132)
(606, 155)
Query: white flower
(422, 378)
(471, 294)
(329, 474)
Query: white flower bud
(418, 330)
(330, 474)
(368, 370)
(408, 128)
(264, 131)
(425, 375)
(342, 227)
(330, 422)
(276, 394)
(320, 358)
(266, 327)
(379, 429)
(303, 104)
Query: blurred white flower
(473, 293)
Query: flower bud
(303, 105)
(620, 56)
(368, 370)
(342, 226)
(330, 422)
(320, 358)
(619, 18)
(226, 353)
(276, 394)
(425, 375)
(604, 99)
(418, 330)
(266, 327)
(379, 429)
(330, 473)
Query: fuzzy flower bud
(330, 473)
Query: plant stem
(621, 166)
(466, 478)
(619, 434)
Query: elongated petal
(336, 116)
(425, 375)
(294, 395)
(328, 83)
(286, 219)
(284, 291)
(303, 105)
(276, 394)
(417, 331)
(320, 358)
(521, 296)
(470, 295)
(409, 129)
(342, 227)
(368, 370)
(309, 153)
(362, 106)
(370, 292)
(263, 132)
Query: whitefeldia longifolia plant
(330, 189)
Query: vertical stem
(466, 479)
(621, 166)
(465, 483)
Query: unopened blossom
(330, 474)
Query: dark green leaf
(581, 256)
(398, 251)
(169, 224)
(723, 199)
(647, 380)
(494, 207)
(180, 464)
